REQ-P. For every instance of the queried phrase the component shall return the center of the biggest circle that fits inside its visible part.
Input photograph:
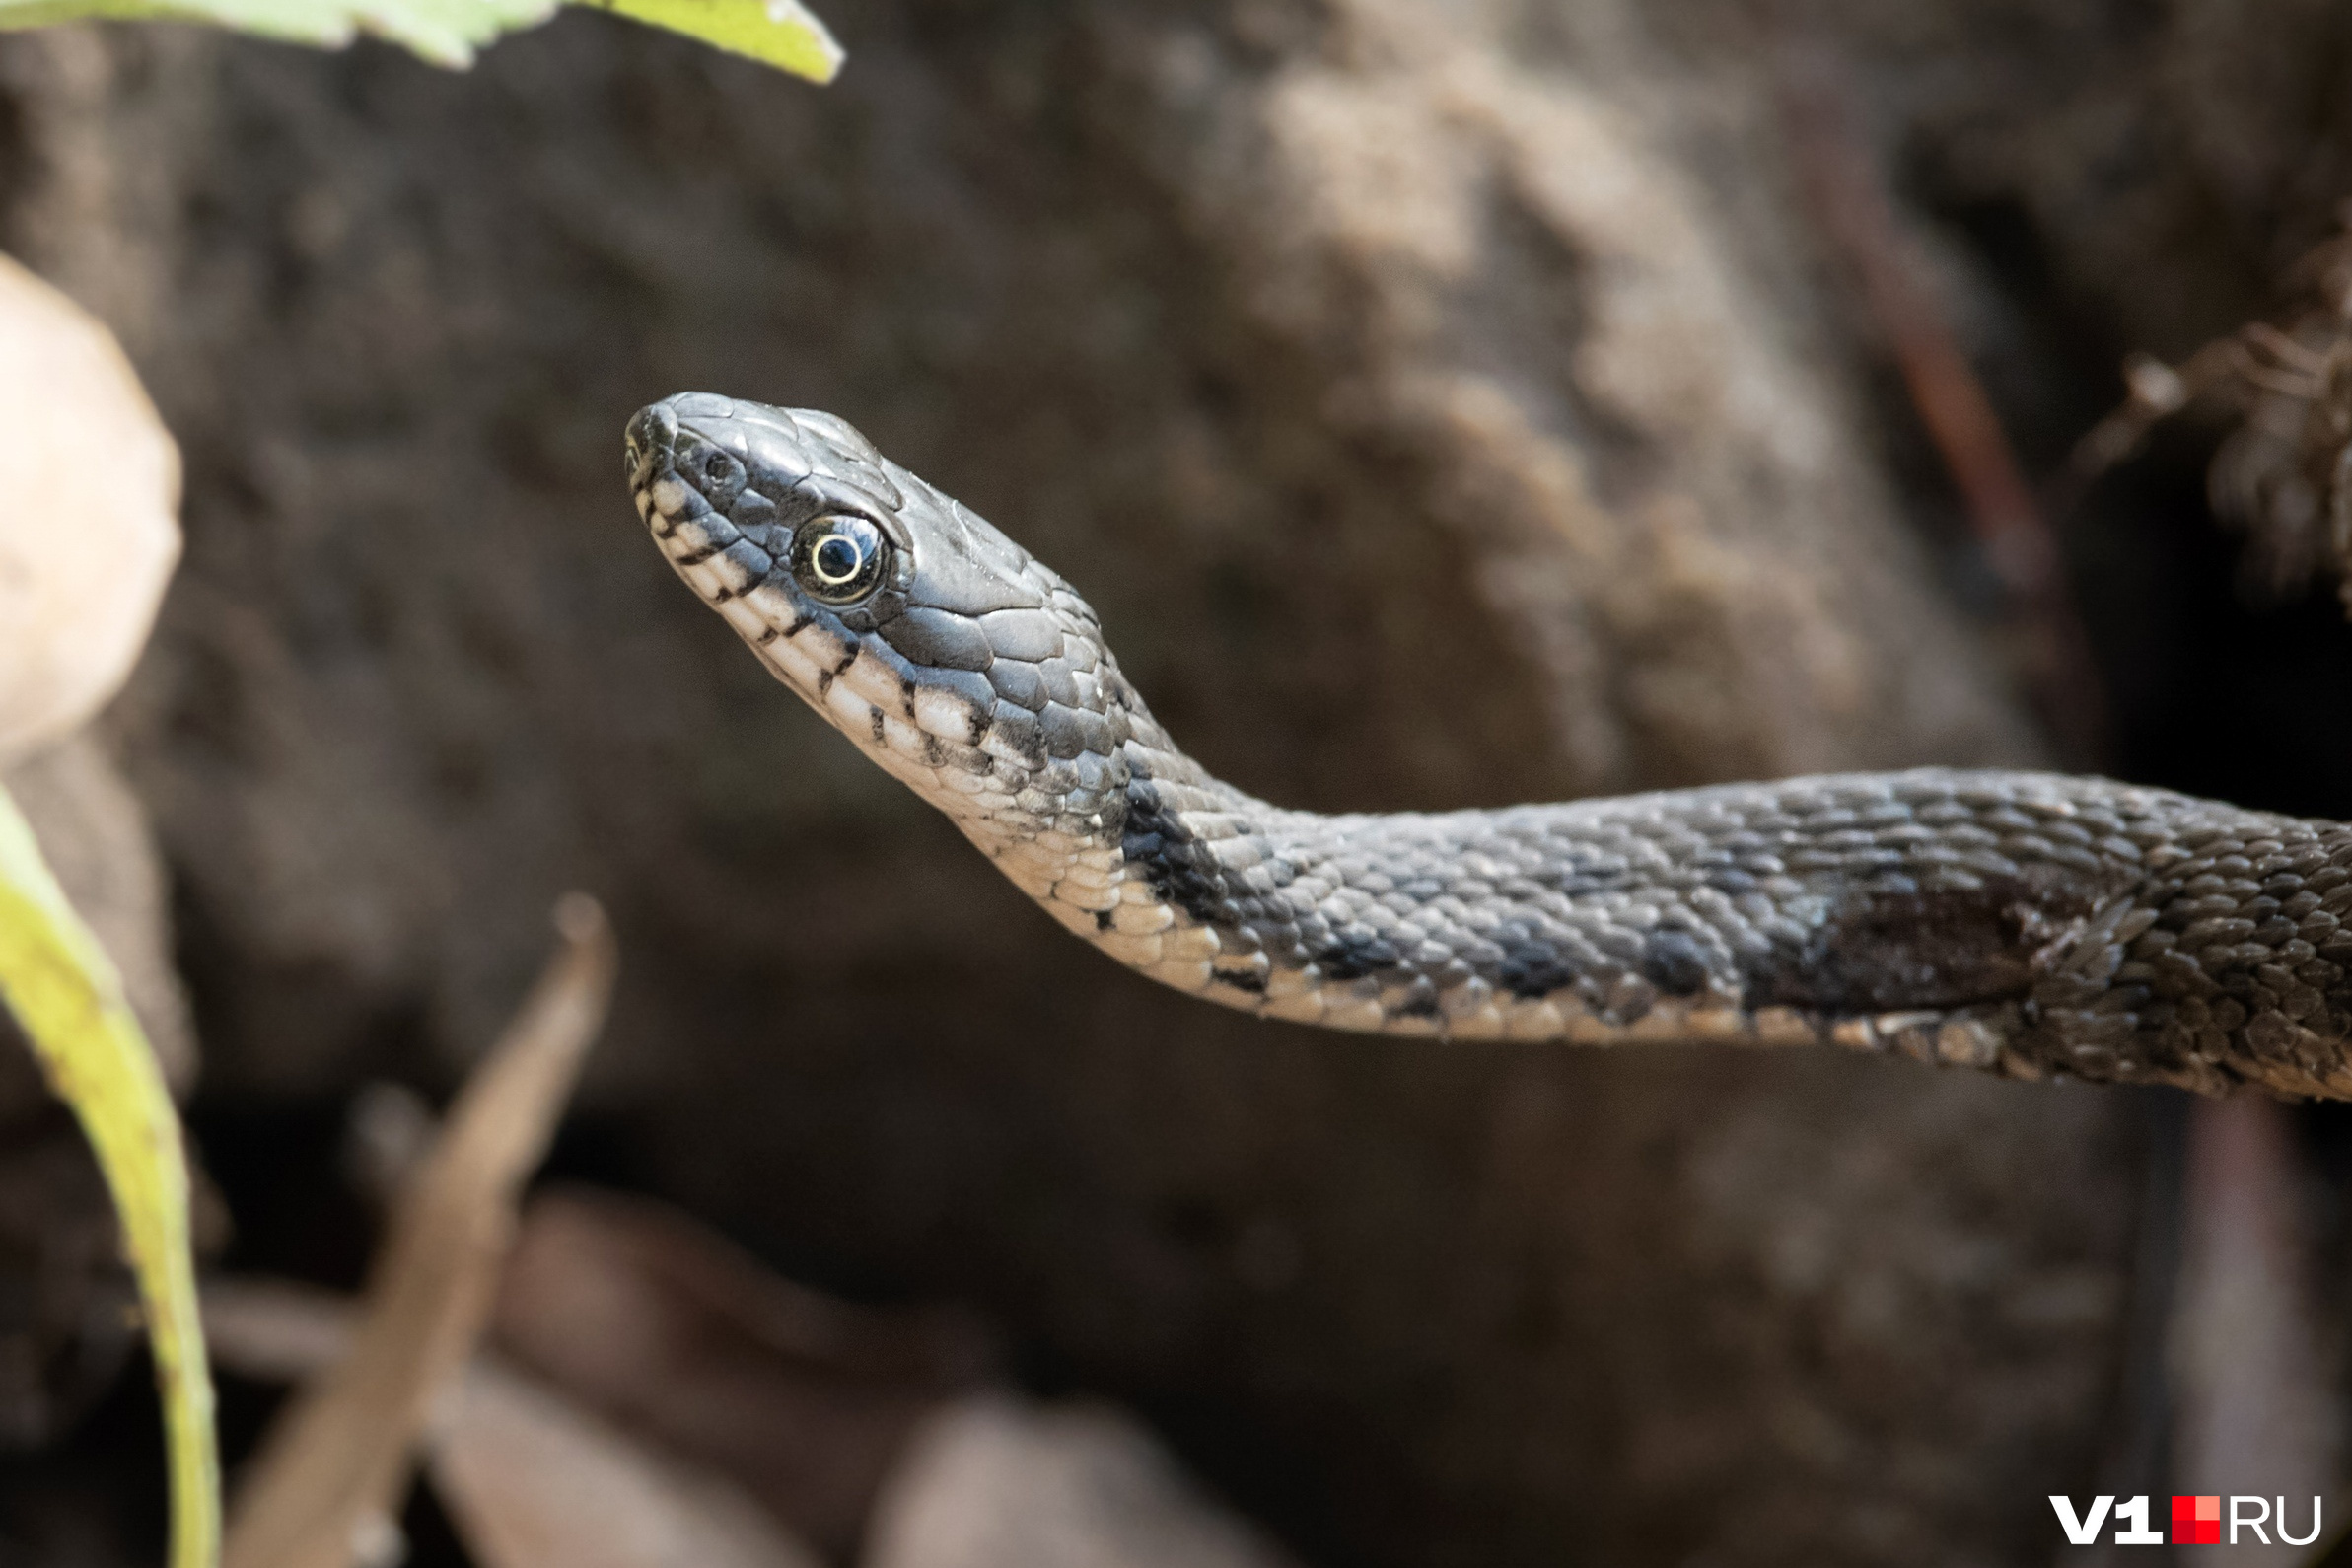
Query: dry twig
(335, 1465)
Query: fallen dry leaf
(529, 1478)
(336, 1463)
(533, 1482)
(996, 1483)
(670, 1330)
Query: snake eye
(838, 559)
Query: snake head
(960, 664)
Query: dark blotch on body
(1675, 963)
(1352, 958)
(1533, 969)
(1171, 859)
(1885, 953)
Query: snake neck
(1201, 886)
(1133, 848)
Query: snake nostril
(651, 432)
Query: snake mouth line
(668, 497)
(719, 556)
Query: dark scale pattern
(2032, 923)
(1179, 868)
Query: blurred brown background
(1442, 404)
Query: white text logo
(2197, 1520)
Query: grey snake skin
(2033, 924)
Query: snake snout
(647, 441)
(679, 432)
(677, 458)
(724, 451)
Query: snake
(2032, 924)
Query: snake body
(2032, 924)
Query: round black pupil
(837, 559)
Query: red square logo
(2197, 1520)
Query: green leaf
(780, 32)
(64, 994)
(444, 31)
